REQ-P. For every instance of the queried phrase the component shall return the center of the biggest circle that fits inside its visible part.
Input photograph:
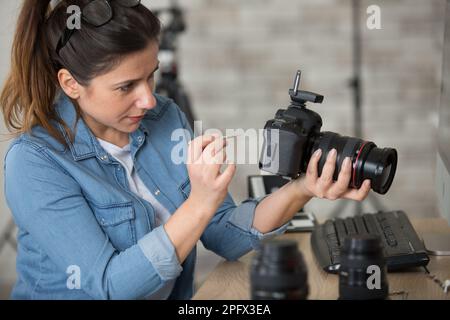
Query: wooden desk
(230, 280)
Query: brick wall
(239, 57)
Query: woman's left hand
(324, 187)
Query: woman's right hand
(209, 186)
(206, 154)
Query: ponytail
(28, 94)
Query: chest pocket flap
(113, 215)
(117, 220)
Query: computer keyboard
(402, 246)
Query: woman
(102, 211)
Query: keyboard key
(340, 230)
(350, 226)
(360, 226)
(329, 227)
(371, 224)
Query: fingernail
(332, 153)
(318, 153)
(347, 161)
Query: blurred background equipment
(168, 83)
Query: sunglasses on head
(96, 13)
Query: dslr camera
(294, 135)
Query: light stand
(355, 84)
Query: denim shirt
(84, 235)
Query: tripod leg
(183, 101)
(7, 236)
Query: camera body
(290, 133)
(294, 135)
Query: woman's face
(114, 103)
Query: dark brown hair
(29, 92)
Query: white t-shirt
(123, 155)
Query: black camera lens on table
(362, 274)
(278, 272)
(294, 135)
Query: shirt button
(140, 139)
(157, 192)
(104, 157)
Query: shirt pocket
(117, 221)
(185, 188)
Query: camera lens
(368, 161)
(379, 166)
(386, 174)
(278, 272)
(362, 274)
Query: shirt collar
(85, 144)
